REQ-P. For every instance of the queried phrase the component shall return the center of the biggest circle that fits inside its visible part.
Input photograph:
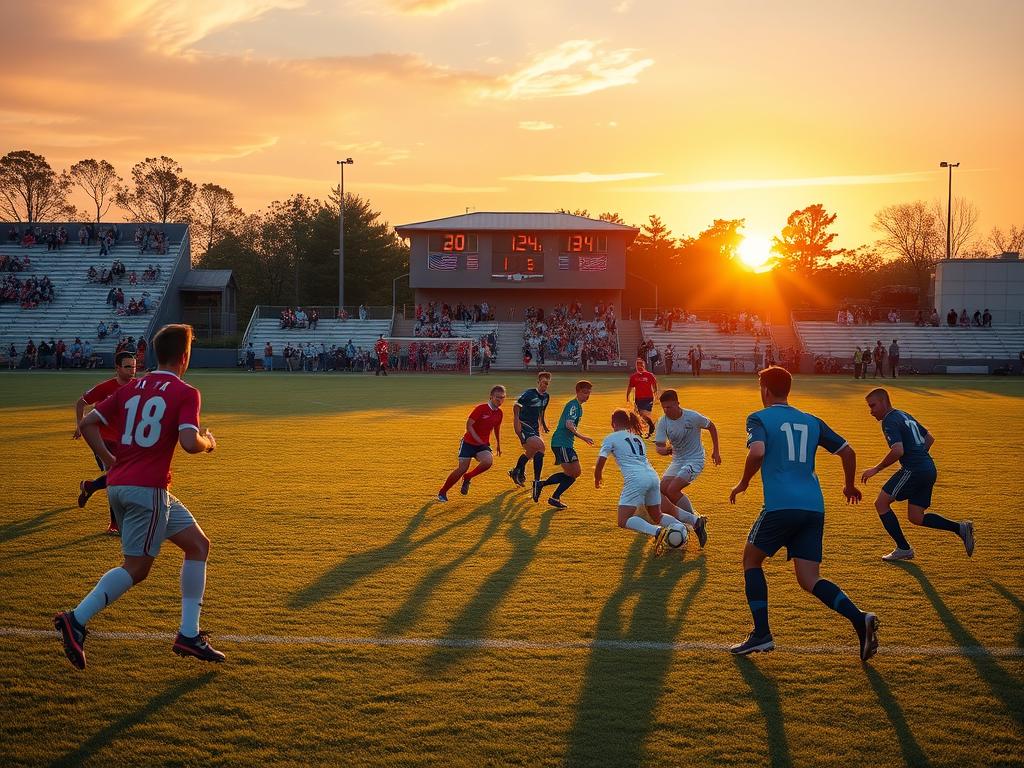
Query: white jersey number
(789, 428)
(912, 426)
(147, 431)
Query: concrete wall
(996, 284)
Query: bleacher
(725, 346)
(328, 331)
(999, 343)
(78, 305)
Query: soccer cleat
(899, 554)
(701, 529)
(868, 634)
(442, 496)
(557, 503)
(516, 478)
(754, 644)
(967, 534)
(198, 646)
(84, 493)
(73, 635)
(465, 486)
(659, 540)
(536, 491)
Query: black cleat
(536, 491)
(868, 634)
(516, 478)
(464, 490)
(754, 644)
(701, 529)
(73, 635)
(198, 646)
(84, 494)
(557, 503)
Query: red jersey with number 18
(147, 415)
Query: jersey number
(912, 426)
(789, 428)
(638, 448)
(147, 431)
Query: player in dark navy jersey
(782, 442)
(528, 414)
(909, 443)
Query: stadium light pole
(341, 233)
(394, 293)
(949, 203)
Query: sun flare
(756, 253)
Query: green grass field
(320, 505)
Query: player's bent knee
(573, 470)
(916, 516)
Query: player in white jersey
(639, 483)
(678, 435)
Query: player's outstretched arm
(90, 430)
(194, 442)
(895, 451)
(79, 411)
(663, 448)
(716, 455)
(497, 440)
(755, 457)
(570, 425)
(598, 469)
(849, 459)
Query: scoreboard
(518, 254)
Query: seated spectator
(101, 330)
(986, 319)
(314, 318)
(919, 320)
(951, 318)
(92, 275)
(115, 330)
(976, 320)
(893, 316)
(965, 321)
(933, 320)
(132, 279)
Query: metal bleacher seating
(328, 331)
(79, 305)
(715, 343)
(998, 343)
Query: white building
(979, 284)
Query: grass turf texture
(319, 505)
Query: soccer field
(367, 624)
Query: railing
(248, 328)
(326, 312)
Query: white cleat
(899, 554)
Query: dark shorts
(110, 447)
(564, 455)
(645, 404)
(469, 450)
(528, 432)
(799, 530)
(911, 486)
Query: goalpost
(428, 354)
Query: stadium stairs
(630, 336)
(721, 350)
(78, 305)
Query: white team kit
(640, 484)
(683, 434)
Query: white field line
(529, 645)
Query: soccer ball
(676, 538)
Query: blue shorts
(912, 486)
(469, 450)
(646, 404)
(528, 432)
(799, 530)
(564, 455)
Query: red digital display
(526, 265)
(578, 242)
(526, 242)
(453, 242)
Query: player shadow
(913, 754)
(1018, 604)
(119, 728)
(474, 617)
(621, 690)
(71, 545)
(1003, 685)
(362, 565)
(18, 528)
(766, 694)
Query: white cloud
(536, 125)
(584, 177)
(426, 187)
(623, 6)
(574, 68)
(870, 179)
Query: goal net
(425, 354)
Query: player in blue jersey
(782, 442)
(909, 443)
(528, 414)
(562, 445)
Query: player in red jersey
(124, 368)
(476, 442)
(381, 348)
(151, 416)
(645, 387)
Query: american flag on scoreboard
(563, 261)
(593, 263)
(442, 261)
(472, 261)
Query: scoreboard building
(515, 260)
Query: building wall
(509, 303)
(977, 284)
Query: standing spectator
(362, 312)
(951, 318)
(140, 353)
(670, 352)
(58, 350)
(879, 357)
(268, 357)
(894, 358)
(698, 359)
(314, 318)
(933, 320)
(250, 359)
(965, 320)
(12, 354)
(858, 363)
(986, 319)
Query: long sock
(538, 464)
(833, 597)
(521, 464)
(193, 584)
(756, 586)
(563, 485)
(687, 517)
(111, 586)
(671, 522)
(640, 525)
(98, 484)
(478, 469)
(931, 520)
(892, 527)
(555, 479)
(453, 478)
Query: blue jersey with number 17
(901, 427)
(791, 438)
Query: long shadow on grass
(118, 728)
(1017, 603)
(1004, 687)
(66, 545)
(472, 621)
(766, 694)
(912, 753)
(18, 528)
(621, 689)
(362, 565)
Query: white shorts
(644, 490)
(146, 516)
(688, 470)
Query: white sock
(689, 518)
(111, 586)
(671, 522)
(638, 524)
(193, 584)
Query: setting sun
(756, 254)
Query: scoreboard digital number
(453, 242)
(517, 256)
(581, 242)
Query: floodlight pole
(394, 293)
(949, 204)
(341, 233)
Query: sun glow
(756, 253)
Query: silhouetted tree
(214, 216)
(804, 245)
(99, 180)
(30, 190)
(159, 193)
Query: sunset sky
(691, 110)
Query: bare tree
(914, 233)
(160, 192)
(30, 190)
(962, 226)
(99, 180)
(1011, 241)
(214, 216)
